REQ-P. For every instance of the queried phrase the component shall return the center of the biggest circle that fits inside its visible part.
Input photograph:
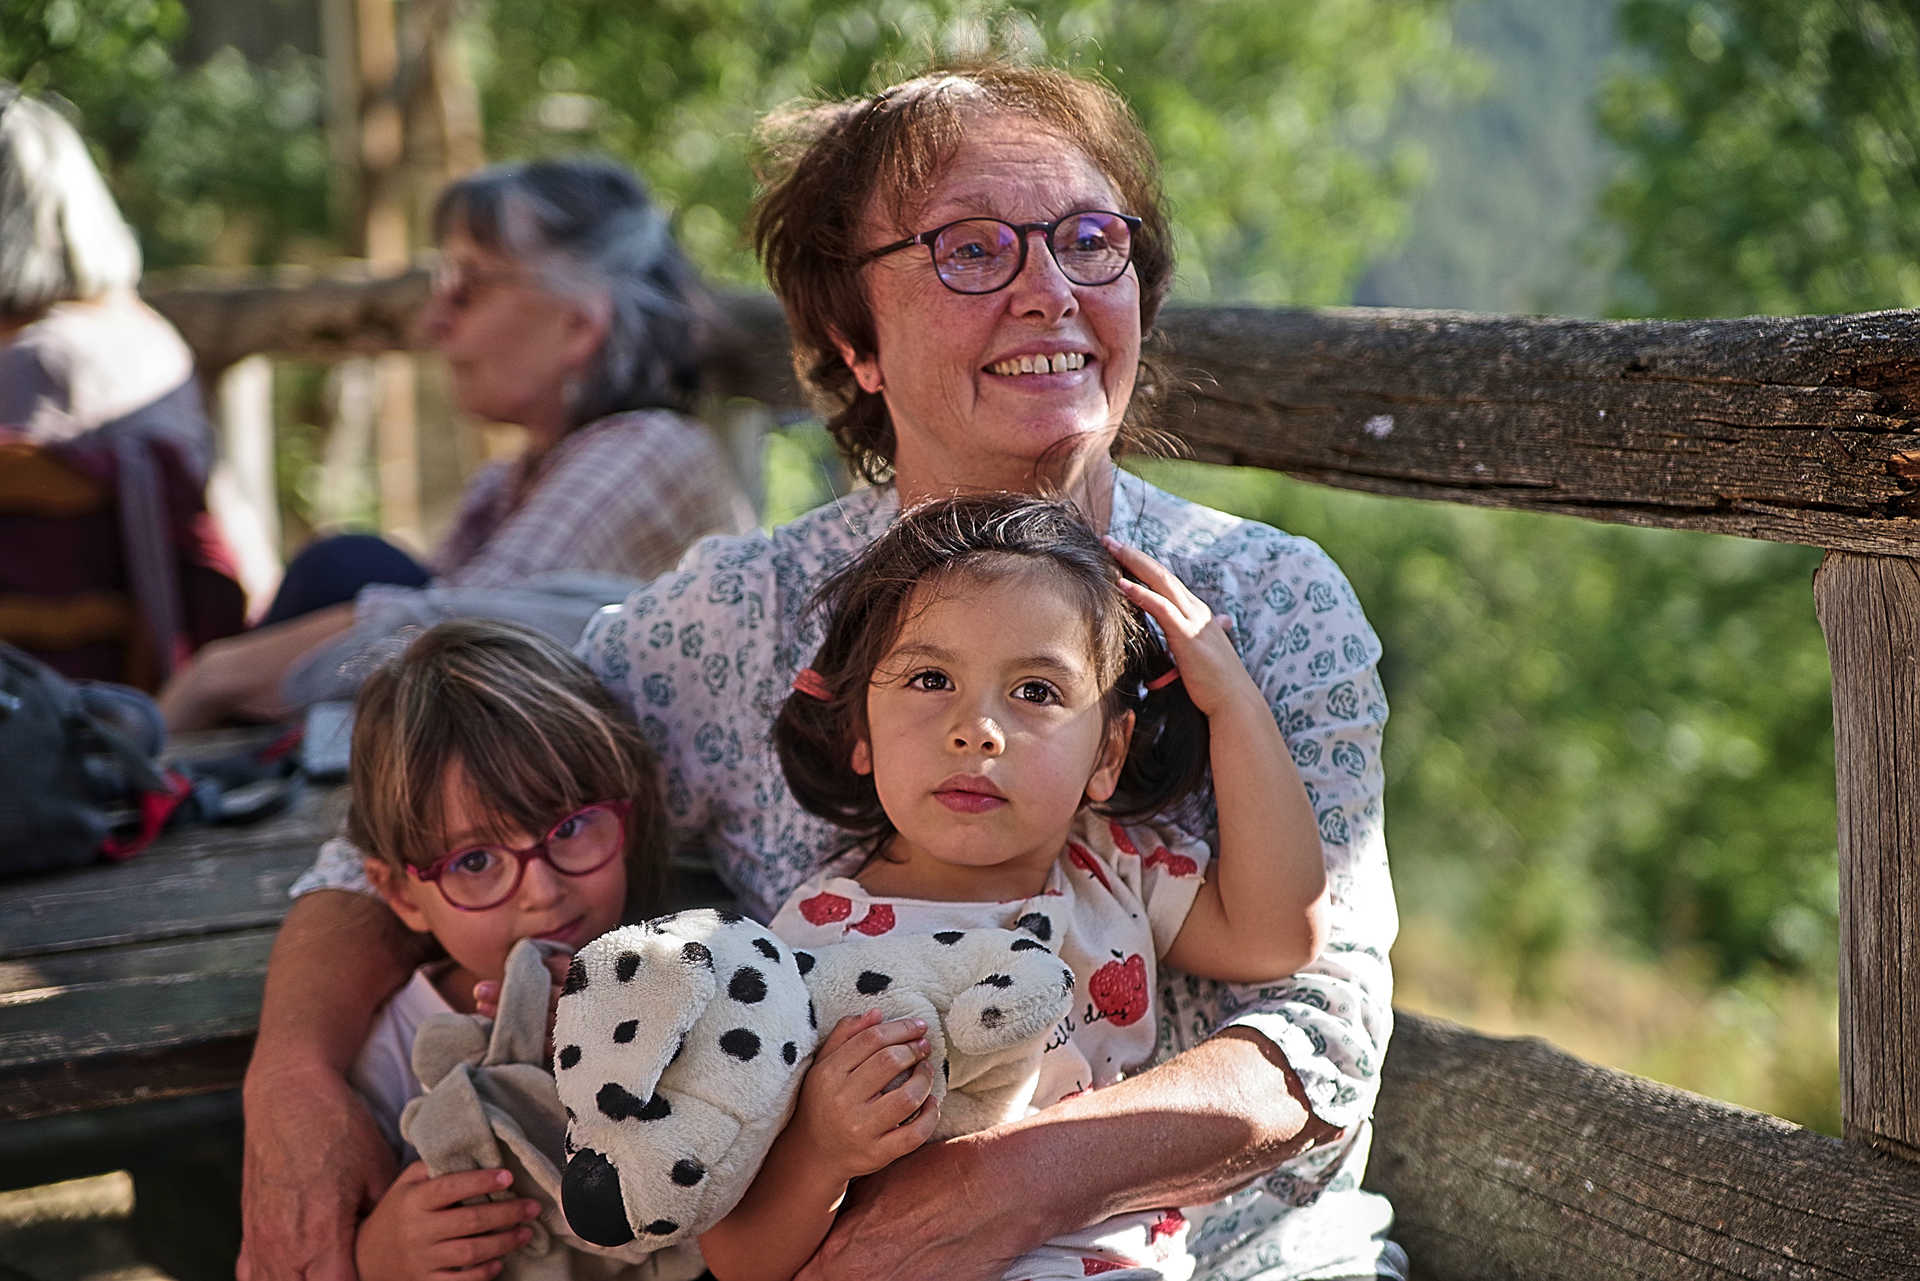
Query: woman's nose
(1042, 289)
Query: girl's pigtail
(812, 737)
(1167, 760)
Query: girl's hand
(421, 1230)
(486, 995)
(1210, 668)
(867, 1098)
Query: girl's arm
(851, 1120)
(1262, 913)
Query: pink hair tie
(1164, 679)
(812, 684)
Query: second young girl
(995, 726)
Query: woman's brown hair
(981, 538)
(532, 729)
(826, 164)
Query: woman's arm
(1196, 1127)
(241, 675)
(315, 1161)
(1262, 913)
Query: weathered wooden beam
(1802, 429)
(1510, 1159)
(291, 313)
(1869, 607)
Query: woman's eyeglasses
(982, 255)
(458, 284)
(485, 876)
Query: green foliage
(1597, 731)
(1269, 114)
(222, 162)
(1772, 152)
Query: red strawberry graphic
(1118, 990)
(1094, 1267)
(878, 920)
(822, 908)
(1122, 841)
(1168, 1224)
(1176, 864)
(1078, 856)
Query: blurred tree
(1269, 114)
(1773, 156)
(224, 162)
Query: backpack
(78, 779)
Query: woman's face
(943, 359)
(511, 345)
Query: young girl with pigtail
(996, 726)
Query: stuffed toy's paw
(680, 1045)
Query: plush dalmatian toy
(680, 1044)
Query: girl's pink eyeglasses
(485, 876)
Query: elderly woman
(97, 396)
(562, 305)
(969, 262)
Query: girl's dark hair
(533, 729)
(982, 538)
(587, 227)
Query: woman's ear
(865, 367)
(396, 889)
(583, 332)
(1113, 757)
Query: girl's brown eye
(934, 682)
(1038, 692)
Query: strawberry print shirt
(1113, 903)
(705, 654)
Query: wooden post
(1869, 607)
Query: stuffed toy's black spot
(949, 937)
(576, 978)
(946, 1069)
(697, 954)
(569, 1056)
(872, 983)
(1037, 925)
(566, 1145)
(747, 986)
(813, 1020)
(627, 966)
(688, 1172)
(590, 1195)
(1027, 945)
(766, 948)
(661, 1228)
(789, 1052)
(624, 1033)
(1066, 981)
(805, 961)
(740, 1043)
(658, 921)
(992, 1016)
(730, 918)
(617, 1103)
(996, 980)
(569, 1112)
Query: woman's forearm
(337, 957)
(1200, 1125)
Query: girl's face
(984, 725)
(572, 910)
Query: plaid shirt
(624, 495)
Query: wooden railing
(1508, 1158)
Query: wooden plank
(50, 1089)
(201, 880)
(1507, 1159)
(1869, 607)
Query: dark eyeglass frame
(1022, 231)
(438, 868)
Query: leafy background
(1610, 796)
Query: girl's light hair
(526, 722)
(62, 238)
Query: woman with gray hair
(562, 305)
(97, 398)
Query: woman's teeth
(1060, 364)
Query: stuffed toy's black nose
(590, 1197)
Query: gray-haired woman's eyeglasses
(981, 255)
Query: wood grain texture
(1798, 429)
(1869, 607)
(1510, 1159)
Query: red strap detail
(280, 746)
(812, 684)
(155, 809)
(1164, 679)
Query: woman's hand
(1198, 638)
(867, 1098)
(420, 1229)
